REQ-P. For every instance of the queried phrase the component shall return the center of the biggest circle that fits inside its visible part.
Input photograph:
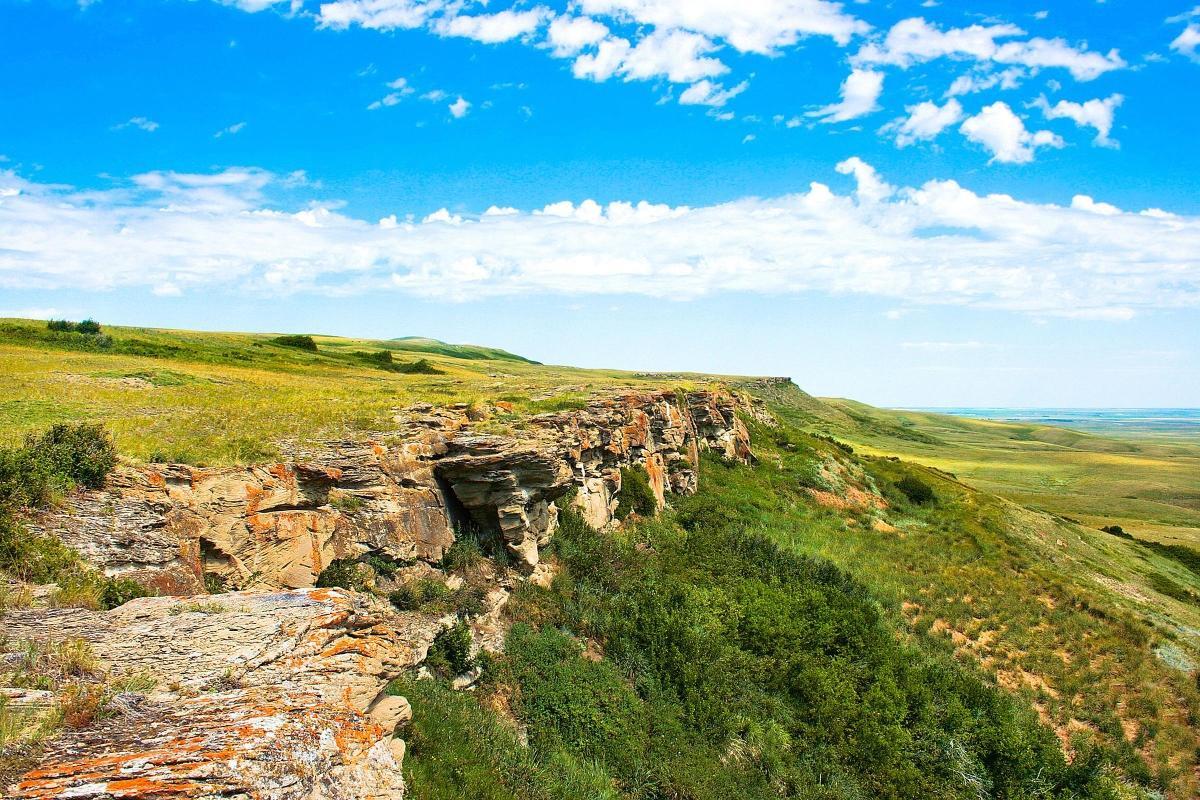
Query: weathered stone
(400, 494)
(268, 695)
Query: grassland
(233, 398)
(1005, 570)
(1148, 486)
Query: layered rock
(402, 494)
(259, 695)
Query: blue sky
(908, 203)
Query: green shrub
(419, 367)
(299, 341)
(636, 494)
(413, 596)
(915, 489)
(83, 453)
(119, 591)
(464, 553)
(89, 327)
(575, 704)
(379, 358)
(342, 573)
(450, 653)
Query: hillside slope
(777, 631)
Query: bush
(88, 327)
(636, 494)
(83, 453)
(119, 591)
(342, 573)
(300, 342)
(420, 367)
(915, 489)
(412, 596)
(450, 653)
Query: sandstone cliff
(268, 688)
(400, 494)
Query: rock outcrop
(259, 695)
(401, 494)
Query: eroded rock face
(267, 695)
(401, 494)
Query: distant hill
(420, 344)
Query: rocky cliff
(401, 494)
(268, 688)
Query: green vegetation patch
(635, 496)
(298, 341)
(36, 475)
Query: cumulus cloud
(659, 39)
(493, 28)
(939, 243)
(1096, 114)
(707, 93)
(860, 96)
(925, 121)
(568, 35)
(382, 15)
(982, 81)
(914, 41)
(1005, 136)
(678, 56)
(749, 27)
(1187, 43)
(459, 108)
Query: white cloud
(141, 123)
(678, 56)
(459, 108)
(1096, 114)
(1188, 42)
(400, 89)
(925, 121)
(1004, 135)
(33, 313)
(938, 243)
(870, 187)
(914, 40)
(747, 25)
(978, 82)
(860, 95)
(492, 28)
(568, 35)
(1084, 203)
(707, 93)
(231, 130)
(383, 15)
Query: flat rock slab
(260, 694)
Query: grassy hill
(1001, 568)
(227, 398)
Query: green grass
(1099, 634)
(1149, 486)
(232, 398)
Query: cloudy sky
(908, 202)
